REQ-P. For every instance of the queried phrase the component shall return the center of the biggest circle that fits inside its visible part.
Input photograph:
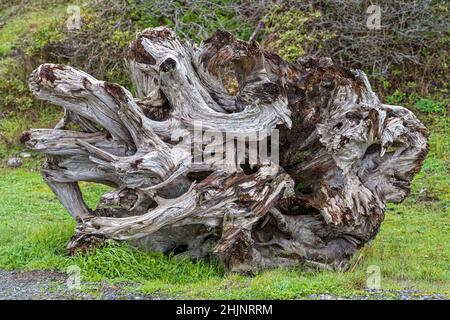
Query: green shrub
(396, 98)
(411, 45)
(35, 32)
(292, 33)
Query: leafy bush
(407, 59)
(108, 26)
(411, 45)
(31, 34)
(429, 106)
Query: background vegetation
(406, 60)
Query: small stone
(14, 162)
(25, 155)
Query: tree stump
(180, 156)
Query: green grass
(17, 28)
(412, 249)
(34, 230)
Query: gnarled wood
(342, 153)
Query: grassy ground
(412, 250)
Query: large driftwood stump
(342, 154)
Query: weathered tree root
(342, 154)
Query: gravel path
(48, 285)
(387, 295)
